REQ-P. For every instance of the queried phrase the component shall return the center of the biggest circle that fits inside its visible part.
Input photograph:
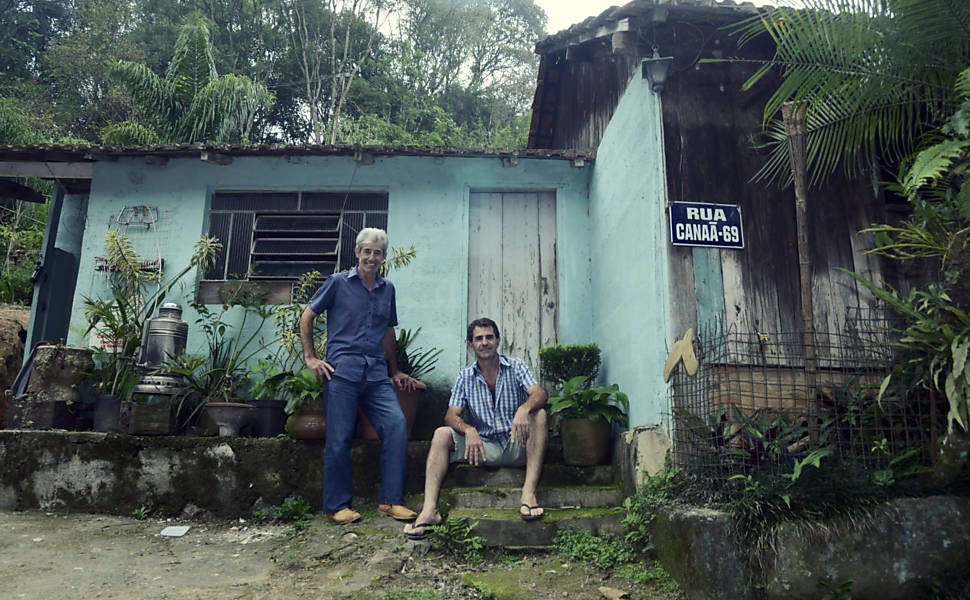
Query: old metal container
(164, 336)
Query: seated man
(508, 425)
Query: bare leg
(535, 453)
(434, 474)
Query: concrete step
(462, 475)
(504, 527)
(550, 497)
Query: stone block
(641, 453)
(895, 552)
(698, 549)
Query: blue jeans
(379, 402)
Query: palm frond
(224, 109)
(931, 163)
(152, 93)
(872, 75)
(193, 66)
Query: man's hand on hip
(320, 368)
(402, 381)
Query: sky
(564, 13)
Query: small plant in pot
(588, 415)
(307, 419)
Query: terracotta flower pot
(408, 399)
(585, 442)
(307, 424)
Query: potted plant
(136, 289)
(267, 395)
(415, 362)
(588, 415)
(560, 363)
(307, 419)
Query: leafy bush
(579, 402)
(561, 363)
(603, 552)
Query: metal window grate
(281, 235)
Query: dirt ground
(75, 556)
(15, 312)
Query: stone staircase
(588, 498)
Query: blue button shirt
(493, 418)
(357, 319)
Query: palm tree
(192, 103)
(873, 76)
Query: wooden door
(512, 269)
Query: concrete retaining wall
(109, 473)
(898, 551)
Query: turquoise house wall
(427, 207)
(629, 258)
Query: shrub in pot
(307, 418)
(560, 363)
(588, 415)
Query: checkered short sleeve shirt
(493, 417)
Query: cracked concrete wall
(98, 472)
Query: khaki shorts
(512, 456)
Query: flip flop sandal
(530, 517)
(415, 535)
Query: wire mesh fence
(765, 401)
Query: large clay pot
(409, 406)
(585, 442)
(307, 424)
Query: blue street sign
(711, 225)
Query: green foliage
(603, 552)
(414, 361)
(192, 103)
(937, 336)
(21, 238)
(303, 387)
(862, 70)
(454, 538)
(649, 571)
(407, 594)
(128, 133)
(840, 591)
(657, 492)
(119, 319)
(601, 402)
(294, 508)
(141, 513)
(561, 363)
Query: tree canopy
(455, 72)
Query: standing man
(508, 425)
(360, 366)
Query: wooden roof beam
(47, 169)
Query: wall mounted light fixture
(656, 69)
